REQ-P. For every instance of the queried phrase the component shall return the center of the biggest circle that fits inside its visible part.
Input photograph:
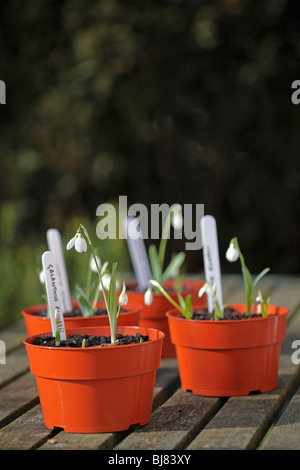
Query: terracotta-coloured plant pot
(37, 324)
(154, 315)
(96, 389)
(228, 357)
(194, 286)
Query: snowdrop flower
(123, 298)
(105, 281)
(232, 253)
(259, 297)
(148, 297)
(42, 277)
(208, 289)
(177, 220)
(79, 242)
(93, 266)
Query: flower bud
(232, 253)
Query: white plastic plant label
(53, 294)
(138, 253)
(55, 246)
(211, 258)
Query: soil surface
(229, 314)
(75, 341)
(76, 312)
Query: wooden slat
(16, 365)
(17, 397)
(174, 424)
(286, 433)
(25, 432)
(243, 421)
(180, 419)
(14, 335)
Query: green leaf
(248, 286)
(259, 276)
(247, 279)
(175, 264)
(112, 293)
(181, 300)
(155, 264)
(84, 303)
(188, 307)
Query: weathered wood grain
(14, 335)
(17, 397)
(180, 420)
(16, 365)
(25, 432)
(174, 424)
(243, 421)
(285, 435)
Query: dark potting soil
(75, 341)
(76, 312)
(229, 314)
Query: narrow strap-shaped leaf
(112, 293)
(155, 264)
(260, 275)
(181, 300)
(188, 306)
(84, 303)
(175, 264)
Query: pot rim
(160, 336)
(281, 311)
(131, 308)
(133, 282)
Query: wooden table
(181, 421)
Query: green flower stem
(165, 234)
(96, 262)
(163, 242)
(246, 276)
(89, 280)
(57, 333)
(162, 290)
(218, 311)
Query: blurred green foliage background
(163, 101)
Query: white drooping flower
(148, 297)
(93, 266)
(208, 289)
(259, 297)
(123, 298)
(78, 242)
(106, 282)
(42, 277)
(232, 253)
(177, 219)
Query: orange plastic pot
(36, 324)
(228, 357)
(100, 389)
(154, 315)
(194, 286)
